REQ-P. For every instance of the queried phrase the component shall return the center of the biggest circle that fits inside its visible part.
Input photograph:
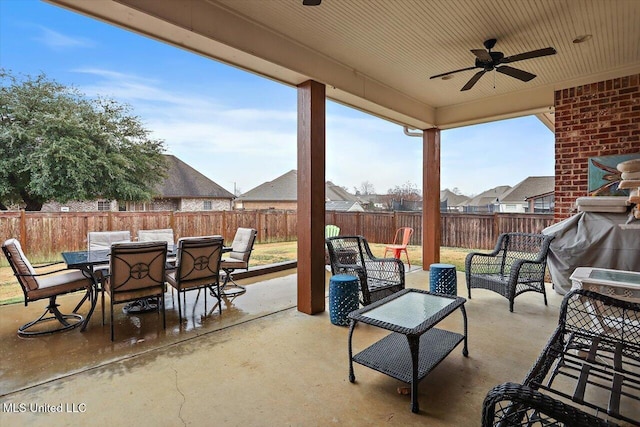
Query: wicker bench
(516, 265)
(588, 374)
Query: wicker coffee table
(414, 347)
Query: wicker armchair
(516, 265)
(379, 277)
(588, 374)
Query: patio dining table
(87, 261)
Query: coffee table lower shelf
(392, 357)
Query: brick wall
(190, 205)
(254, 205)
(597, 119)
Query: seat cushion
(134, 294)
(97, 240)
(60, 283)
(232, 263)
(186, 285)
(242, 244)
(21, 264)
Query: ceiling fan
(489, 61)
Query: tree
(399, 196)
(58, 145)
(407, 191)
(366, 188)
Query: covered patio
(259, 363)
(385, 58)
(264, 361)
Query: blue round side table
(343, 298)
(442, 279)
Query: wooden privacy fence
(472, 231)
(49, 233)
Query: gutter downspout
(409, 133)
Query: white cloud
(250, 145)
(243, 145)
(57, 41)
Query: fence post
(260, 236)
(23, 228)
(495, 230)
(224, 225)
(395, 225)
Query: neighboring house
(452, 202)
(534, 194)
(184, 189)
(343, 206)
(487, 201)
(406, 205)
(282, 193)
(372, 202)
(336, 193)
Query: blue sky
(239, 129)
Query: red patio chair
(402, 234)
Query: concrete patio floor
(260, 363)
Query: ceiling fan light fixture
(583, 38)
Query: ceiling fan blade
(482, 55)
(473, 80)
(311, 2)
(514, 72)
(528, 55)
(451, 72)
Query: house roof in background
(285, 188)
(531, 186)
(343, 206)
(488, 197)
(452, 198)
(335, 192)
(184, 181)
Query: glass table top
(86, 257)
(616, 276)
(409, 310)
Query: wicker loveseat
(588, 374)
(516, 265)
(379, 277)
